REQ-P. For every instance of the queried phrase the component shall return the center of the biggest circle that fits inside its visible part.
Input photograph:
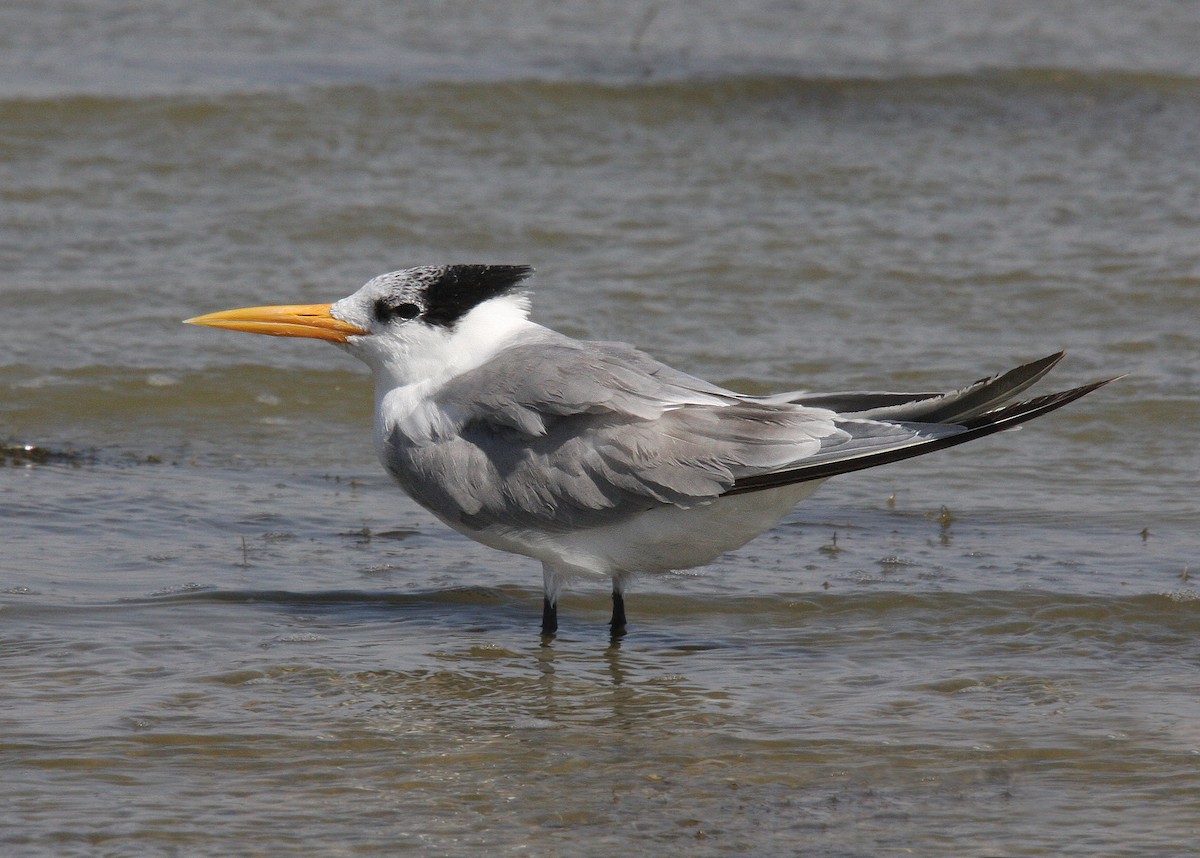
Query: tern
(593, 457)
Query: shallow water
(222, 631)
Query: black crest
(454, 290)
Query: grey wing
(526, 387)
(559, 434)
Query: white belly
(660, 540)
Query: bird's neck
(403, 392)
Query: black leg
(549, 617)
(618, 616)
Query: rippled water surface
(223, 631)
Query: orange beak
(293, 320)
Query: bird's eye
(385, 311)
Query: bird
(592, 457)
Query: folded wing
(556, 434)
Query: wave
(711, 84)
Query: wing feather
(560, 434)
(555, 434)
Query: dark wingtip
(997, 420)
(1019, 412)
